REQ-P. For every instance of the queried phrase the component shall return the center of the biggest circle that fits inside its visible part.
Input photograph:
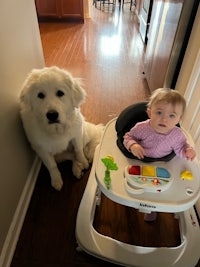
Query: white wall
(188, 84)
(190, 56)
(20, 51)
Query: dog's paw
(82, 161)
(89, 155)
(86, 164)
(56, 180)
(57, 184)
(77, 169)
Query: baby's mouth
(162, 125)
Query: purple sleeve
(129, 140)
(180, 143)
(132, 136)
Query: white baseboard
(19, 216)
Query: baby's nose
(164, 118)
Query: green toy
(110, 165)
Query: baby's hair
(167, 95)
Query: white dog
(49, 108)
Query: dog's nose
(52, 116)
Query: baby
(159, 136)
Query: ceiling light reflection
(110, 45)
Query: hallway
(107, 53)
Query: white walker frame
(179, 198)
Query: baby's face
(164, 116)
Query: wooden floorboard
(108, 54)
(127, 225)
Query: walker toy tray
(179, 194)
(146, 178)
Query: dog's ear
(74, 87)
(25, 97)
(78, 93)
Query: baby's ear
(149, 112)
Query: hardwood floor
(107, 53)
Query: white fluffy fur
(49, 108)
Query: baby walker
(169, 184)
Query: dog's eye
(59, 93)
(41, 95)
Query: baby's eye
(172, 116)
(41, 95)
(159, 112)
(59, 93)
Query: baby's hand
(137, 150)
(190, 153)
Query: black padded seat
(126, 120)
